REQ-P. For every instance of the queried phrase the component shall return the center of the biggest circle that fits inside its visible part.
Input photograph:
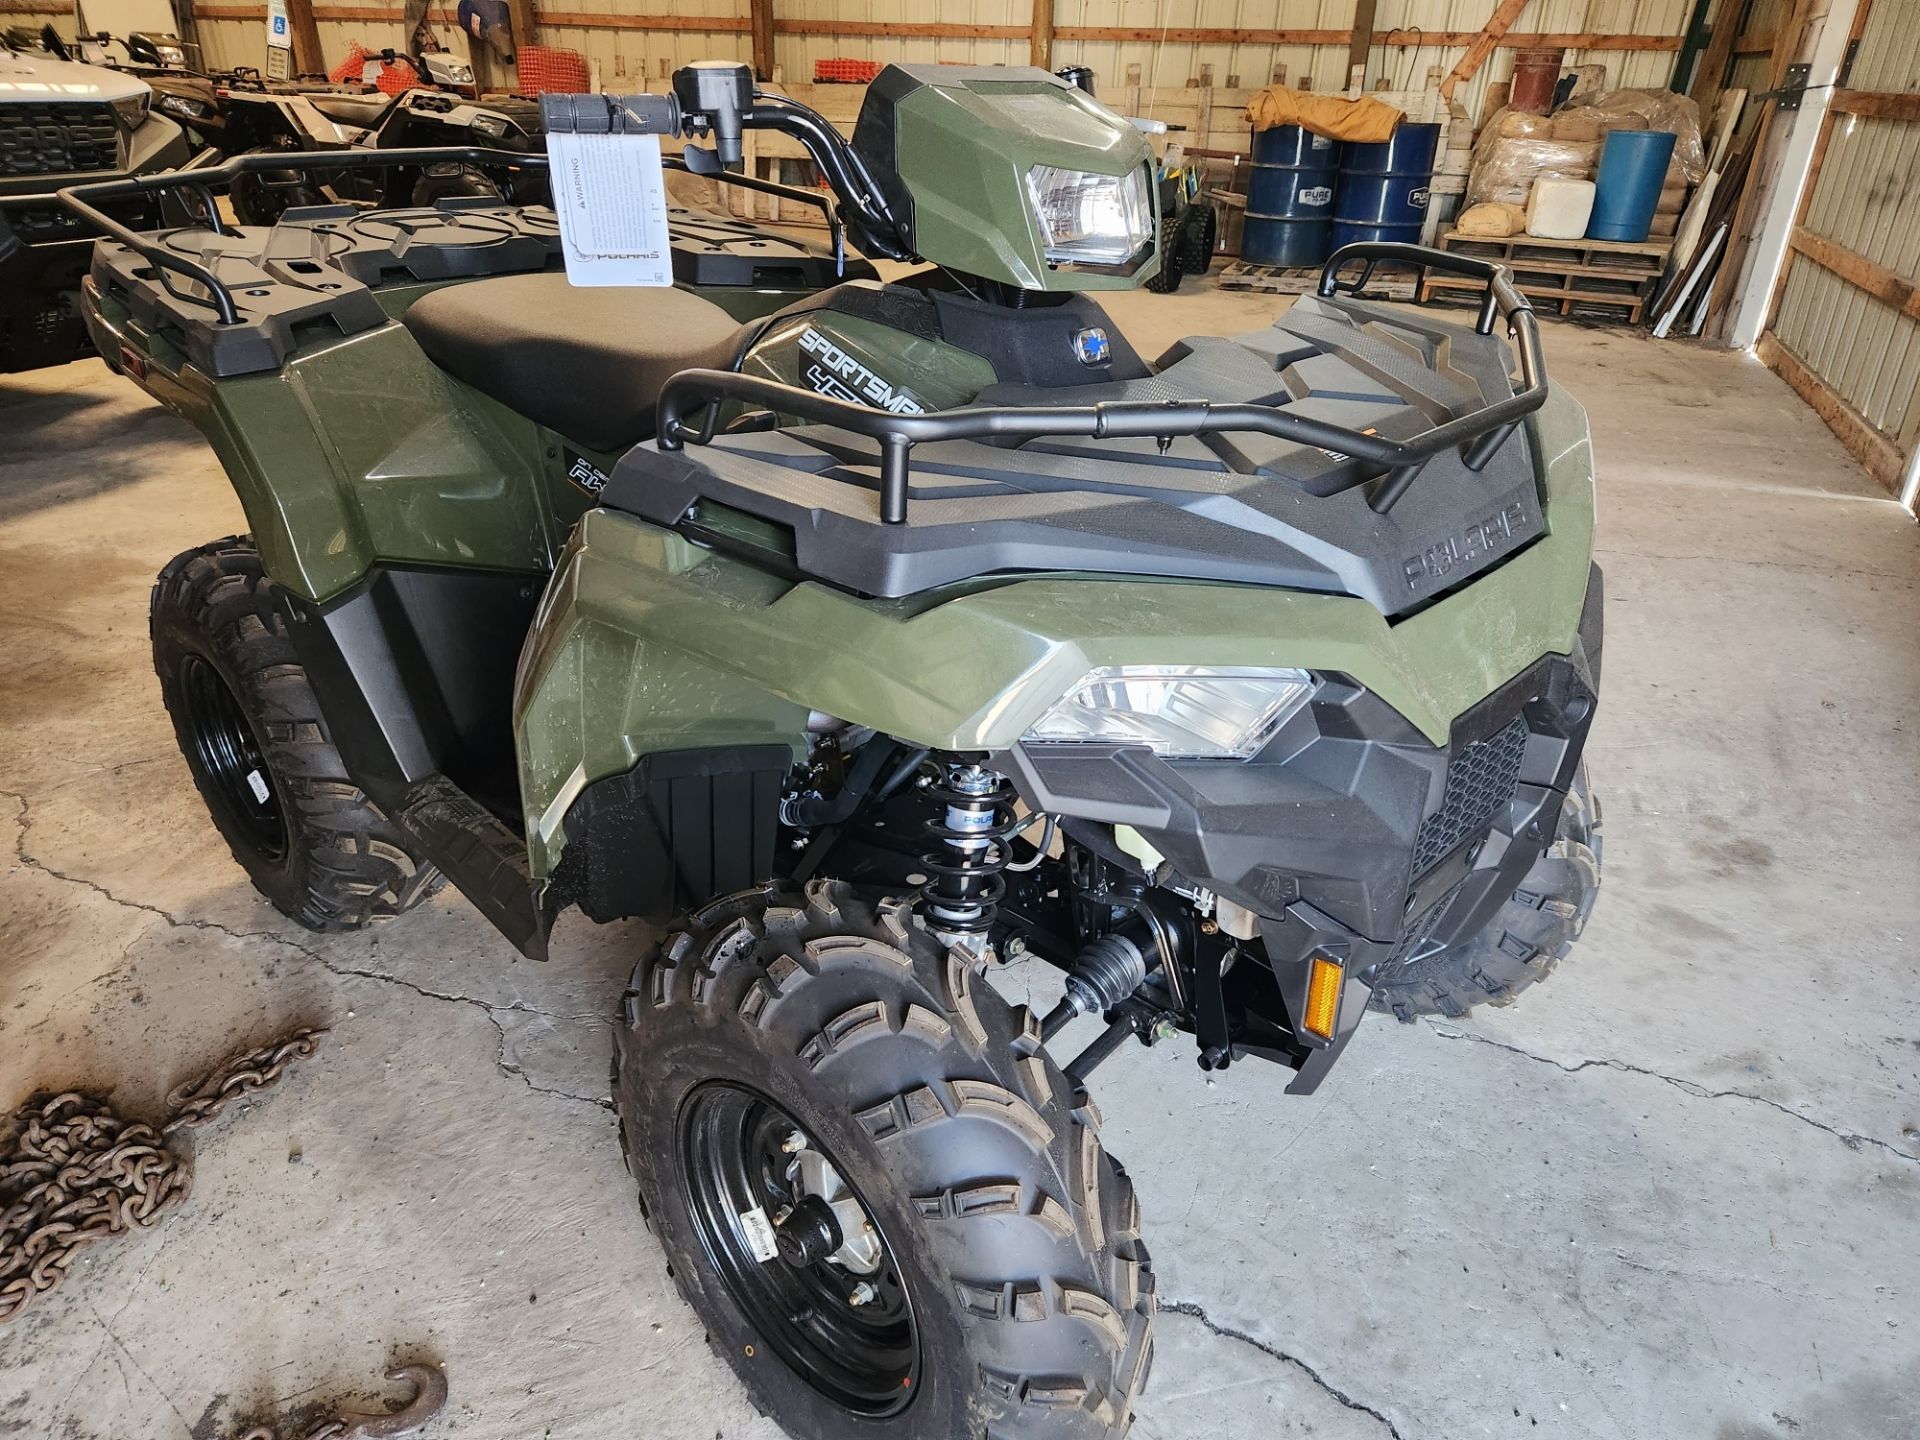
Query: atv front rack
(84, 200)
(1477, 435)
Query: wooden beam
(1199, 35)
(760, 18)
(1360, 47)
(1879, 455)
(919, 30)
(524, 23)
(1528, 39)
(925, 30)
(1876, 104)
(1480, 48)
(1040, 48)
(1709, 78)
(307, 56)
(594, 20)
(1857, 270)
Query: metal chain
(429, 1399)
(72, 1171)
(200, 1101)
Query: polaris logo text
(841, 376)
(1484, 537)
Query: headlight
(133, 110)
(494, 126)
(170, 54)
(1091, 219)
(183, 105)
(1179, 711)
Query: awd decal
(584, 473)
(1484, 537)
(835, 373)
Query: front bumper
(1349, 831)
(42, 319)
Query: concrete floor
(1671, 1194)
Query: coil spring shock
(976, 818)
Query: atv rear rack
(1477, 435)
(201, 182)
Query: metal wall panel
(626, 55)
(1889, 56)
(1867, 352)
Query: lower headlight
(1188, 712)
(1089, 219)
(183, 105)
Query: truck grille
(57, 137)
(1481, 780)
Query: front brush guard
(1477, 435)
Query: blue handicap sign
(279, 24)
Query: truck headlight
(1186, 712)
(1091, 219)
(133, 110)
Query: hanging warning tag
(611, 198)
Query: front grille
(1481, 780)
(57, 137)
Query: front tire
(1529, 935)
(1011, 1295)
(448, 179)
(250, 728)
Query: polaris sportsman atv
(862, 637)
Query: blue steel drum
(1382, 194)
(1290, 197)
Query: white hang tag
(611, 197)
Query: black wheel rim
(864, 1357)
(228, 754)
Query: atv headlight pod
(1088, 219)
(133, 110)
(183, 105)
(1180, 712)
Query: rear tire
(1528, 936)
(1167, 279)
(448, 179)
(1010, 1249)
(1197, 236)
(261, 197)
(250, 728)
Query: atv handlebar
(1477, 435)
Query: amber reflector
(1323, 997)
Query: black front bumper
(42, 319)
(1351, 835)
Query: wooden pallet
(1581, 279)
(1304, 280)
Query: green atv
(862, 637)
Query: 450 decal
(836, 373)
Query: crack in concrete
(1227, 1332)
(1852, 1139)
(491, 1011)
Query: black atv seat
(588, 363)
(364, 111)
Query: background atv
(860, 637)
(102, 125)
(282, 119)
